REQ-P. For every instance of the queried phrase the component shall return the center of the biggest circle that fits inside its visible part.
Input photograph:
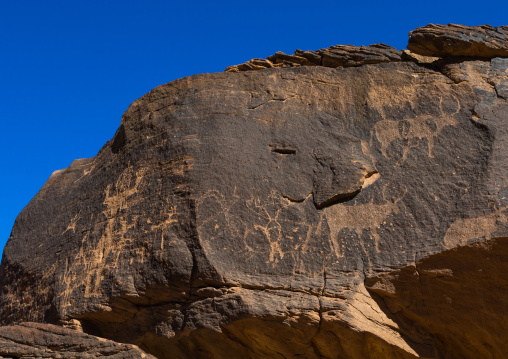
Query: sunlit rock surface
(312, 211)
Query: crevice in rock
(419, 276)
(316, 349)
(189, 301)
(339, 198)
(320, 313)
(231, 337)
(264, 103)
(491, 82)
(283, 150)
(297, 200)
(371, 173)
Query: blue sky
(69, 69)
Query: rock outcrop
(334, 56)
(459, 295)
(33, 340)
(459, 40)
(338, 211)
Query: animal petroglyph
(72, 225)
(463, 230)
(411, 130)
(359, 217)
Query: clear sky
(69, 69)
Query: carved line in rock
(267, 218)
(269, 222)
(110, 234)
(411, 130)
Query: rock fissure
(264, 103)
(297, 200)
(188, 233)
(283, 150)
(337, 199)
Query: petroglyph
(411, 130)
(72, 225)
(275, 223)
(359, 217)
(463, 230)
(102, 244)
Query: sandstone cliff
(350, 202)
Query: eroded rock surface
(334, 56)
(241, 214)
(459, 40)
(35, 340)
(457, 296)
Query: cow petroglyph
(277, 224)
(359, 217)
(411, 130)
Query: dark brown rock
(34, 340)
(456, 296)
(459, 40)
(334, 56)
(240, 214)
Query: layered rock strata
(304, 211)
(32, 340)
(334, 56)
(459, 40)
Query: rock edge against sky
(346, 202)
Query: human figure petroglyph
(272, 222)
(102, 244)
(273, 225)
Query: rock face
(459, 40)
(31, 340)
(347, 212)
(457, 295)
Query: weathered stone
(456, 296)
(459, 40)
(419, 59)
(334, 56)
(240, 214)
(34, 340)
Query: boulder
(35, 340)
(459, 40)
(283, 213)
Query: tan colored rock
(457, 296)
(419, 59)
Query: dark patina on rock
(270, 213)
